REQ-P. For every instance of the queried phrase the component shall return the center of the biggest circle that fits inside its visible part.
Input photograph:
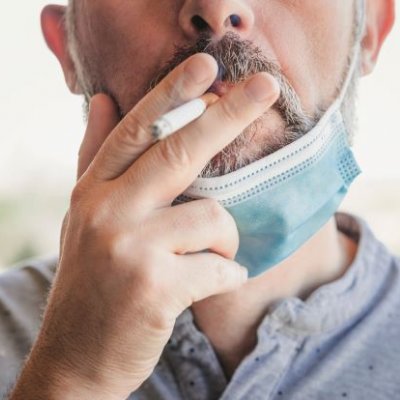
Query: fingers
(206, 274)
(132, 136)
(195, 226)
(102, 119)
(170, 166)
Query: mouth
(220, 88)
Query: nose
(216, 17)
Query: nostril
(199, 23)
(235, 20)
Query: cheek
(331, 40)
(132, 68)
(311, 39)
(127, 46)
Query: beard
(237, 60)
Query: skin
(124, 190)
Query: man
(148, 299)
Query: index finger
(132, 136)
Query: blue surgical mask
(280, 201)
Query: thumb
(102, 119)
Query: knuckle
(170, 92)
(215, 212)
(97, 217)
(77, 194)
(153, 291)
(132, 131)
(222, 273)
(143, 281)
(160, 318)
(230, 110)
(92, 222)
(217, 215)
(84, 211)
(148, 277)
(96, 213)
(173, 151)
(117, 249)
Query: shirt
(342, 342)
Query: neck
(230, 320)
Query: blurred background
(42, 126)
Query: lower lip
(220, 88)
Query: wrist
(48, 381)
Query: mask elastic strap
(355, 51)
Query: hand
(129, 262)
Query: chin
(263, 137)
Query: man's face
(123, 46)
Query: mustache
(237, 60)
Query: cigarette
(178, 118)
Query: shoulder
(23, 293)
(24, 287)
(375, 275)
(371, 251)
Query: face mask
(280, 201)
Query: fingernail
(197, 71)
(261, 87)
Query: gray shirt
(343, 342)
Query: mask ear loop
(361, 23)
